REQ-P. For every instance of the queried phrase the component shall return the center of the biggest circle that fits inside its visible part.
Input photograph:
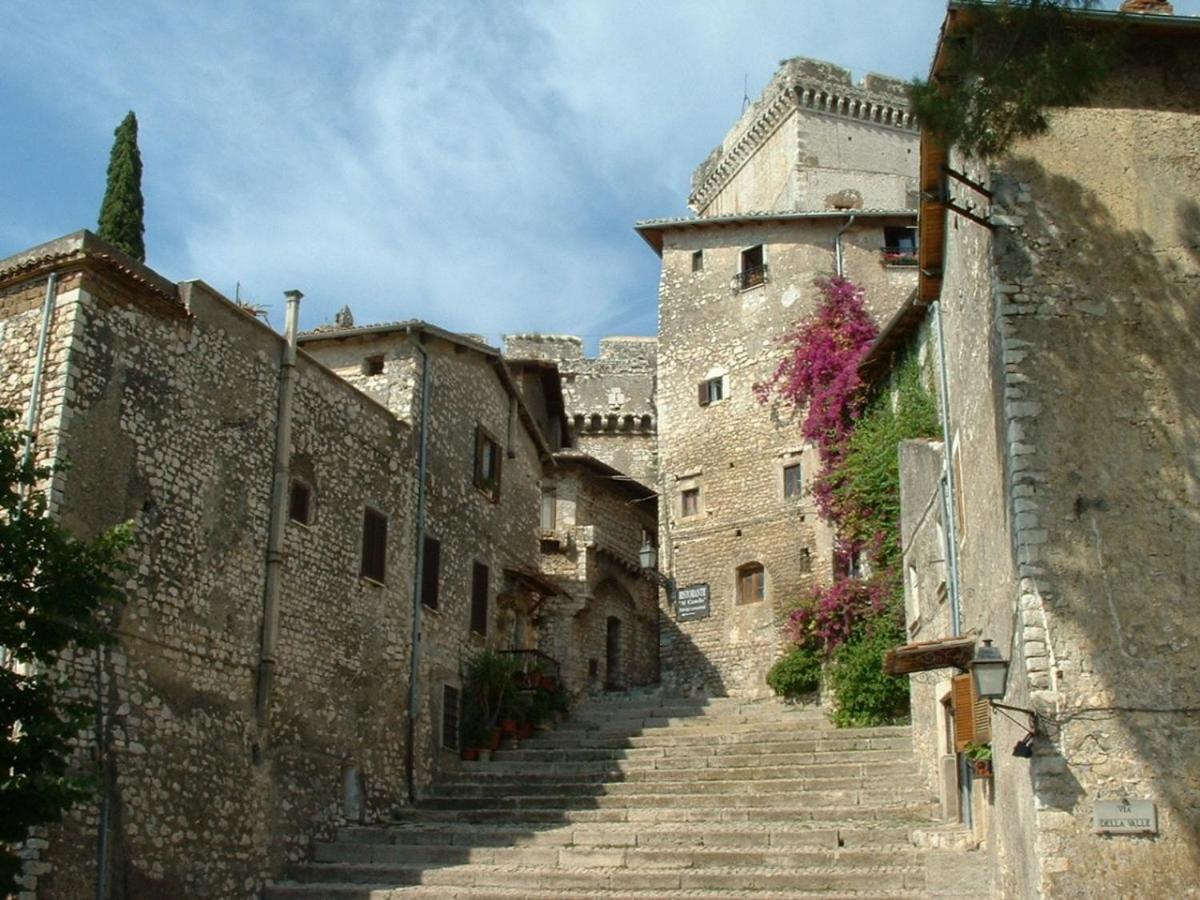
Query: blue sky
(476, 164)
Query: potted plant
(487, 689)
(979, 757)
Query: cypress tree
(122, 209)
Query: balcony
(749, 277)
(900, 256)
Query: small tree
(122, 210)
(53, 592)
(1007, 68)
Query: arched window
(751, 583)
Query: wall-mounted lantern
(989, 671)
(648, 557)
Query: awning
(923, 656)
(535, 581)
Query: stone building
(327, 526)
(609, 398)
(816, 179)
(1058, 516)
(223, 749)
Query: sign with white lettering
(1125, 817)
(691, 602)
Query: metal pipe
(948, 496)
(837, 245)
(949, 513)
(414, 659)
(39, 364)
(279, 499)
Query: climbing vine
(853, 620)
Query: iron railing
(531, 663)
(751, 276)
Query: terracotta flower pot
(471, 754)
(494, 738)
(525, 731)
(509, 726)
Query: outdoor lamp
(989, 669)
(648, 555)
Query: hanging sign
(691, 602)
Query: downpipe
(279, 499)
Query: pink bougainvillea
(820, 370)
(836, 610)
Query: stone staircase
(652, 796)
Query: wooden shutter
(479, 599)
(972, 716)
(703, 393)
(374, 545)
(431, 565)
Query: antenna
(745, 91)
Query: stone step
(701, 781)
(672, 793)
(644, 771)
(679, 856)
(916, 813)
(722, 754)
(746, 835)
(703, 737)
(351, 891)
(618, 878)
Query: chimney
(1156, 7)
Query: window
(373, 365)
(374, 545)
(479, 599)
(487, 463)
(300, 502)
(899, 246)
(689, 502)
(450, 708)
(751, 584)
(805, 560)
(793, 481)
(549, 508)
(712, 390)
(431, 570)
(698, 261)
(753, 268)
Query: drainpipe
(837, 245)
(279, 499)
(414, 661)
(949, 514)
(948, 496)
(39, 364)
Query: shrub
(864, 695)
(796, 673)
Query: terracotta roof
(652, 230)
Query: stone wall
(609, 398)
(814, 140)
(733, 451)
(165, 403)
(1074, 398)
(592, 551)
(466, 393)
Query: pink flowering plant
(857, 491)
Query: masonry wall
(609, 398)
(733, 451)
(814, 140)
(470, 526)
(171, 422)
(593, 554)
(1093, 397)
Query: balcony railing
(900, 256)
(750, 277)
